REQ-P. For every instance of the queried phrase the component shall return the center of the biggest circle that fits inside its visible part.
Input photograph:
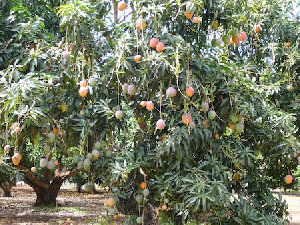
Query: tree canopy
(198, 99)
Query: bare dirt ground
(73, 208)
(293, 202)
(79, 208)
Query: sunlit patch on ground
(74, 208)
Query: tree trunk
(78, 187)
(94, 191)
(6, 189)
(115, 10)
(47, 191)
(47, 196)
(150, 215)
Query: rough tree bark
(6, 189)
(47, 196)
(78, 187)
(46, 192)
(150, 215)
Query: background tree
(7, 177)
(34, 120)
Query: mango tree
(7, 178)
(44, 119)
(175, 105)
(211, 85)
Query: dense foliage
(244, 138)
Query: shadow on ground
(73, 208)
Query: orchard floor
(293, 202)
(75, 208)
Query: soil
(73, 208)
(79, 208)
(293, 202)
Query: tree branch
(115, 10)
(67, 174)
(49, 156)
(31, 177)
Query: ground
(75, 208)
(293, 202)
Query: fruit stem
(82, 69)
(139, 208)
(289, 74)
(188, 69)
(143, 211)
(148, 91)
(89, 68)
(177, 71)
(118, 107)
(16, 144)
(6, 132)
(36, 145)
(160, 100)
(87, 144)
(156, 25)
(67, 44)
(137, 42)
(119, 82)
(143, 35)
